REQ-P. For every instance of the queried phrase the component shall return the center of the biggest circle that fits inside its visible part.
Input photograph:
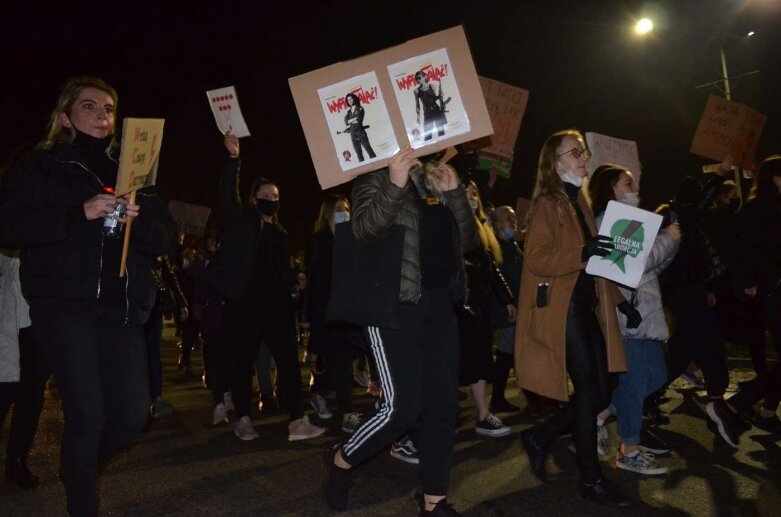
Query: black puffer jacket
(42, 212)
(378, 204)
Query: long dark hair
(764, 190)
(253, 192)
(601, 184)
(327, 211)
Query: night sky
(580, 61)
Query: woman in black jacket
(87, 320)
(251, 271)
(483, 281)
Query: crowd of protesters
(413, 285)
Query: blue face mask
(507, 233)
(341, 217)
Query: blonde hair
(55, 132)
(484, 230)
(548, 183)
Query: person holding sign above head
(423, 219)
(567, 321)
(250, 270)
(646, 368)
(87, 320)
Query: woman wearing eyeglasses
(567, 321)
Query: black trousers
(766, 386)
(361, 139)
(26, 396)
(418, 367)
(334, 365)
(697, 338)
(587, 367)
(100, 367)
(246, 325)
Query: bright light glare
(750, 33)
(644, 26)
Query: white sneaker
(244, 430)
(220, 414)
(320, 406)
(228, 399)
(642, 463)
(492, 426)
(602, 440)
(301, 429)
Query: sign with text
(466, 105)
(506, 105)
(607, 149)
(728, 127)
(140, 151)
(633, 232)
(487, 161)
(225, 106)
(191, 219)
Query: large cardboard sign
(192, 219)
(633, 231)
(358, 120)
(140, 151)
(466, 105)
(728, 127)
(607, 149)
(225, 106)
(506, 105)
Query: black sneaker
(770, 424)
(726, 421)
(652, 444)
(336, 480)
(441, 509)
(404, 450)
(605, 493)
(492, 426)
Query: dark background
(580, 61)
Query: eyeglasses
(577, 153)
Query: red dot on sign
(220, 108)
(230, 107)
(230, 96)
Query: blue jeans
(646, 373)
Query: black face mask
(267, 207)
(85, 141)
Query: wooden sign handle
(126, 243)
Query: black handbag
(365, 278)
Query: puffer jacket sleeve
(376, 202)
(458, 204)
(662, 253)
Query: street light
(644, 26)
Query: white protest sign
(633, 232)
(227, 113)
(607, 149)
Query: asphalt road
(182, 466)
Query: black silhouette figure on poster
(429, 95)
(353, 119)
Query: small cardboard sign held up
(728, 127)
(225, 106)
(140, 151)
(607, 149)
(427, 87)
(192, 219)
(633, 232)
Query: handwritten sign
(227, 113)
(728, 127)
(192, 219)
(607, 149)
(138, 159)
(506, 105)
(633, 232)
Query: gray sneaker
(642, 463)
(351, 424)
(320, 406)
(404, 450)
(602, 440)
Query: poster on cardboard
(633, 232)
(139, 154)
(428, 98)
(728, 127)
(607, 149)
(225, 106)
(191, 219)
(358, 120)
(506, 105)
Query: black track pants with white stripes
(418, 367)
